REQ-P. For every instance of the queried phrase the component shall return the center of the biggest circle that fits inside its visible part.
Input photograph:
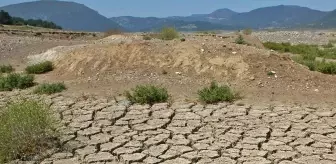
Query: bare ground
(109, 66)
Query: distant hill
(69, 15)
(329, 21)
(154, 24)
(281, 16)
(278, 16)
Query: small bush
(40, 68)
(216, 93)
(169, 33)
(247, 31)
(147, 94)
(326, 67)
(6, 69)
(16, 81)
(26, 129)
(147, 37)
(240, 40)
(50, 88)
(329, 45)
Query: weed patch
(40, 68)
(27, 129)
(16, 81)
(6, 69)
(216, 93)
(147, 94)
(240, 40)
(169, 33)
(50, 88)
(307, 55)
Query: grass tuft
(6, 68)
(26, 130)
(240, 40)
(147, 94)
(40, 68)
(147, 37)
(169, 33)
(216, 93)
(16, 81)
(50, 88)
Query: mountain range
(74, 16)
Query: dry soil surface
(104, 131)
(286, 118)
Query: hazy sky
(162, 8)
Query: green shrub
(16, 81)
(146, 37)
(40, 68)
(6, 69)
(50, 88)
(247, 31)
(326, 67)
(147, 94)
(27, 128)
(329, 45)
(240, 40)
(216, 93)
(168, 33)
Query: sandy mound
(127, 61)
(218, 59)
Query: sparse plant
(216, 93)
(40, 68)
(147, 37)
(329, 45)
(50, 88)
(270, 73)
(307, 55)
(6, 68)
(169, 33)
(247, 31)
(16, 81)
(27, 128)
(147, 94)
(183, 39)
(240, 40)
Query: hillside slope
(69, 15)
(278, 16)
(329, 21)
(282, 16)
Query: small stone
(67, 161)
(209, 153)
(157, 150)
(152, 160)
(100, 157)
(86, 151)
(136, 157)
(110, 146)
(177, 161)
(89, 131)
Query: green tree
(5, 18)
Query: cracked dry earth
(109, 132)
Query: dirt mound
(118, 63)
(192, 57)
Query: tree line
(6, 19)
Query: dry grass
(27, 129)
